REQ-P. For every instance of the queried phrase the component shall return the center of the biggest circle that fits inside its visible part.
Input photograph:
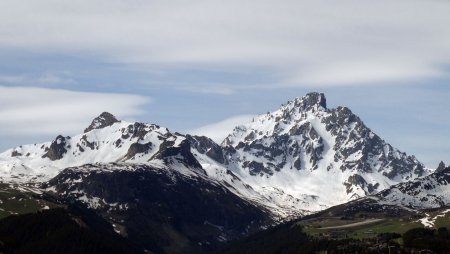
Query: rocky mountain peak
(313, 100)
(103, 120)
(306, 141)
(441, 167)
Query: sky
(202, 66)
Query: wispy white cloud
(41, 111)
(220, 130)
(364, 73)
(45, 78)
(314, 42)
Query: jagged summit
(441, 167)
(312, 100)
(304, 142)
(103, 120)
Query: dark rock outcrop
(103, 120)
(311, 101)
(57, 149)
(441, 167)
(15, 153)
(181, 153)
(206, 146)
(137, 148)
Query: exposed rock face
(15, 153)
(205, 145)
(312, 101)
(354, 180)
(86, 143)
(103, 120)
(432, 191)
(181, 153)
(137, 148)
(57, 149)
(139, 130)
(441, 167)
(354, 139)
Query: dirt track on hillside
(356, 224)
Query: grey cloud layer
(314, 42)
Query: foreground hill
(160, 209)
(60, 231)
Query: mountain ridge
(299, 159)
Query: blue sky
(188, 64)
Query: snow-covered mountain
(109, 140)
(321, 156)
(303, 157)
(432, 191)
(105, 140)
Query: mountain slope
(301, 158)
(322, 156)
(60, 231)
(432, 191)
(417, 210)
(105, 140)
(160, 209)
